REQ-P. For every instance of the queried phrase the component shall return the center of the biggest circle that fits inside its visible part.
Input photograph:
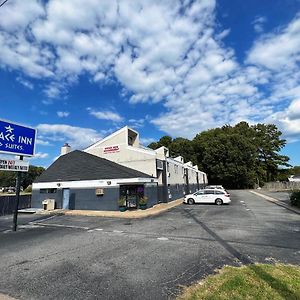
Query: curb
(138, 214)
(277, 202)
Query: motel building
(116, 166)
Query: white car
(216, 196)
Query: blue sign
(16, 139)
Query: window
(176, 169)
(48, 191)
(219, 193)
(199, 193)
(208, 192)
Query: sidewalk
(278, 198)
(132, 214)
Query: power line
(3, 3)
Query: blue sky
(78, 73)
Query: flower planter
(122, 208)
(143, 206)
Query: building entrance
(132, 193)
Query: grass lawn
(259, 281)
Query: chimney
(65, 149)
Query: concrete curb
(277, 202)
(6, 297)
(137, 214)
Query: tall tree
(9, 178)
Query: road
(68, 257)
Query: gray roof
(78, 165)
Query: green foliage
(143, 200)
(237, 156)
(295, 198)
(285, 173)
(122, 202)
(9, 178)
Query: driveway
(68, 257)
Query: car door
(209, 196)
(199, 196)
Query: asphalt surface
(68, 257)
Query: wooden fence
(8, 202)
(281, 186)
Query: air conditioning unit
(99, 192)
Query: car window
(219, 192)
(208, 192)
(199, 193)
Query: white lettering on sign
(14, 165)
(111, 149)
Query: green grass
(259, 281)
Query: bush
(295, 198)
(122, 202)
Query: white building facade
(175, 178)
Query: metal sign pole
(18, 187)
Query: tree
(268, 143)
(237, 156)
(164, 141)
(9, 178)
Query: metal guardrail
(8, 202)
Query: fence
(7, 203)
(281, 186)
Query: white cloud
(147, 141)
(25, 83)
(258, 24)
(105, 115)
(76, 137)
(278, 51)
(40, 155)
(159, 51)
(43, 142)
(63, 114)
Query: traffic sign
(14, 165)
(17, 139)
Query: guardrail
(8, 202)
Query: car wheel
(191, 201)
(219, 201)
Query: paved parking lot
(68, 257)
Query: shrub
(143, 200)
(122, 201)
(295, 198)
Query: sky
(79, 70)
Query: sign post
(18, 188)
(18, 140)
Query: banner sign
(111, 149)
(17, 139)
(14, 165)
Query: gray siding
(37, 198)
(86, 199)
(151, 193)
(176, 191)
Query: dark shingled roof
(78, 165)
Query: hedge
(295, 198)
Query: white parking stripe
(163, 239)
